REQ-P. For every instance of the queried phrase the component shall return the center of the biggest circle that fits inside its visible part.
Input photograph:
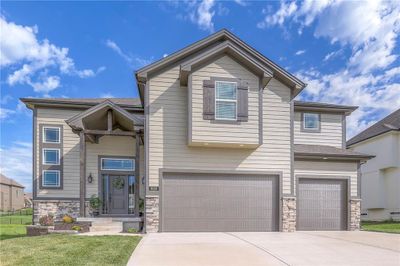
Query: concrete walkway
(299, 248)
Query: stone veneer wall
(152, 213)
(355, 214)
(288, 214)
(55, 207)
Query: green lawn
(16, 219)
(386, 226)
(68, 250)
(8, 231)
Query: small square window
(51, 156)
(51, 178)
(311, 121)
(225, 100)
(51, 134)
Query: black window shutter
(208, 100)
(243, 103)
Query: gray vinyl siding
(331, 133)
(70, 152)
(108, 145)
(206, 131)
(328, 169)
(168, 148)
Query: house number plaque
(153, 188)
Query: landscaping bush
(68, 219)
(46, 220)
(132, 230)
(76, 228)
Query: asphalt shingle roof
(390, 122)
(326, 151)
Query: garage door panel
(200, 202)
(322, 204)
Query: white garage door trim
(213, 171)
(328, 177)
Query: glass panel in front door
(131, 194)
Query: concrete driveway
(299, 248)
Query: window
(311, 121)
(51, 134)
(117, 164)
(51, 178)
(51, 156)
(225, 100)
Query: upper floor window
(225, 100)
(117, 164)
(51, 156)
(311, 121)
(51, 134)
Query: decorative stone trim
(55, 207)
(288, 214)
(152, 214)
(355, 214)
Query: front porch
(111, 143)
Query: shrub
(94, 202)
(132, 230)
(76, 228)
(46, 220)
(68, 219)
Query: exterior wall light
(90, 178)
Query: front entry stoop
(111, 225)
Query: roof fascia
(74, 121)
(228, 48)
(279, 73)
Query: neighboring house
(215, 142)
(28, 200)
(11, 194)
(381, 175)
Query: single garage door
(219, 203)
(322, 204)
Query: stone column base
(152, 213)
(355, 214)
(57, 208)
(288, 214)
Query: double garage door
(219, 203)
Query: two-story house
(380, 175)
(216, 142)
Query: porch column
(137, 172)
(82, 183)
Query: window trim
(44, 135)
(310, 130)
(51, 186)
(44, 157)
(225, 100)
(117, 158)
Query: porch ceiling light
(90, 178)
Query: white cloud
(165, 55)
(5, 113)
(16, 163)
(5, 99)
(300, 52)
(369, 30)
(203, 15)
(107, 95)
(20, 49)
(133, 61)
(241, 2)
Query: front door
(118, 197)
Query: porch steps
(104, 224)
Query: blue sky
(346, 51)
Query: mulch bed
(85, 226)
